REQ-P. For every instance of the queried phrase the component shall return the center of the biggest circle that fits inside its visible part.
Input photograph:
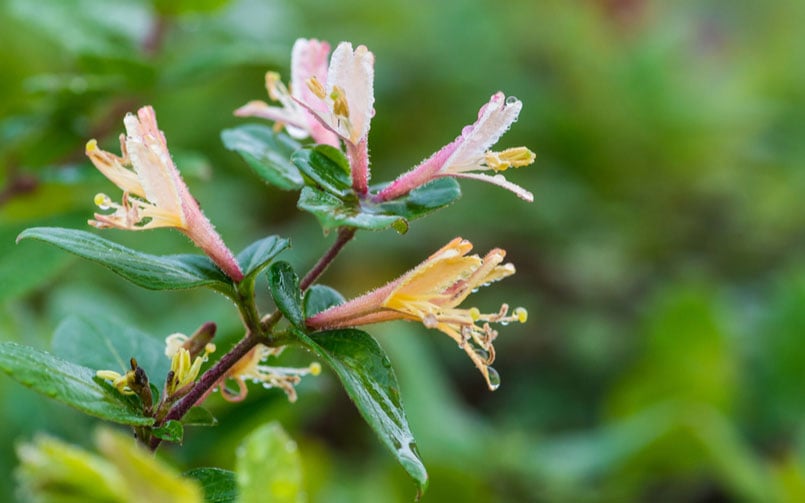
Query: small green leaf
(423, 200)
(167, 272)
(105, 343)
(269, 467)
(284, 285)
(367, 376)
(256, 257)
(172, 431)
(333, 212)
(220, 486)
(319, 298)
(325, 167)
(267, 153)
(68, 383)
(199, 416)
(179, 7)
(144, 477)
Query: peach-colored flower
(430, 293)
(250, 368)
(470, 152)
(308, 60)
(154, 194)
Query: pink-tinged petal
(293, 124)
(494, 119)
(500, 181)
(151, 160)
(308, 59)
(353, 72)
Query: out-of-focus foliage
(661, 262)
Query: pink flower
(308, 60)
(470, 152)
(154, 194)
(430, 293)
(345, 105)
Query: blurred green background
(661, 262)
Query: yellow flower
(249, 368)
(184, 367)
(431, 293)
(154, 194)
(122, 382)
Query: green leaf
(178, 7)
(326, 167)
(199, 416)
(220, 486)
(423, 200)
(144, 476)
(367, 376)
(269, 467)
(105, 343)
(319, 298)
(284, 286)
(256, 257)
(172, 431)
(68, 383)
(24, 268)
(333, 212)
(267, 153)
(167, 272)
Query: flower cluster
(339, 98)
(330, 102)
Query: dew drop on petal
(430, 321)
(482, 354)
(511, 100)
(494, 378)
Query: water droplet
(511, 100)
(430, 321)
(494, 378)
(505, 323)
(482, 353)
(475, 290)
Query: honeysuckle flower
(431, 293)
(344, 104)
(122, 382)
(308, 61)
(185, 365)
(154, 194)
(470, 152)
(250, 368)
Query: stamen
(340, 106)
(103, 201)
(272, 83)
(510, 158)
(316, 87)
